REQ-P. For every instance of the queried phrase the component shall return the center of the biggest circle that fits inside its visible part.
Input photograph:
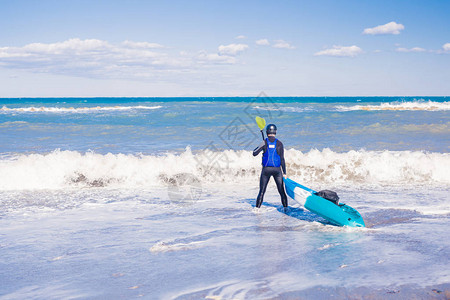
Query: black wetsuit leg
(266, 173)
(263, 181)
(279, 181)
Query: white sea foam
(412, 105)
(167, 246)
(63, 169)
(285, 108)
(327, 246)
(75, 109)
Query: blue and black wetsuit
(273, 159)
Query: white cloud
(389, 28)
(341, 51)
(142, 45)
(46, 52)
(262, 42)
(283, 45)
(70, 46)
(6, 52)
(446, 47)
(101, 59)
(232, 49)
(225, 54)
(415, 49)
(215, 58)
(240, 37)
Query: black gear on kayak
(271, 129)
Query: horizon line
(308, 96)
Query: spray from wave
(66, 169)
(413, 105)
(76, 109)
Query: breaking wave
(413, 105)
(285, 109)
(75, 109)
(65, 169)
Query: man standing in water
(273, 158)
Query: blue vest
(271, 157)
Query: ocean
(118, 198)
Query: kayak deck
(341, 214)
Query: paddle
(261, 124)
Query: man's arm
(259, 148)
(280, 151)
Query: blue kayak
(338, 214)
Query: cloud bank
(389, 28)
(283, 45)
(415, 49)
(101, 59)
(263, 42)
(232, 49)
(341, 51)
(143, 45)
(280, 44)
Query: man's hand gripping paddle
(261, 124)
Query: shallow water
(98, 243)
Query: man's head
(271, 129)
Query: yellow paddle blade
(261, 123)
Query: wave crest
(413, 105)
(76, 109)
(65, 169)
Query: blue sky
(224, 48)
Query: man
(273, 158)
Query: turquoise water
(262, 97)
(155, 125)
(127, 197)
